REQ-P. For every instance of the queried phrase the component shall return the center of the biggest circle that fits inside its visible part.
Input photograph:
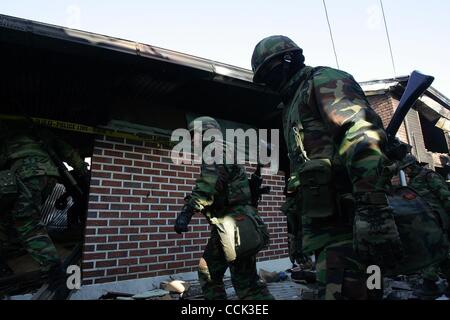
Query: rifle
(256, 188)
(418, 83)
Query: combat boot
(5, 270)
(428, 290)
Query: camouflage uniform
(327, 116)
(433, 188)
(223, 190)
(37, 176)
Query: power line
(388, 39)
(331, 33)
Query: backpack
(241, 234)
(421, 230)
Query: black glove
(182, 222)
(376, 239)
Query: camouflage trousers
(432, 272)
(24, 218)
(212, 268)
(341, 276)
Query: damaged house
(118, 101)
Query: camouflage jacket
(27, 156)
(329, 110)
(432, 187)
(327, 116)
(220, 189)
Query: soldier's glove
(182, 222)
(375, 236)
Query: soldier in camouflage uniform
(221, 189)
(335, 140)
(25, 155)
(433, 188)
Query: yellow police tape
(75, 127)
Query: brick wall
(136, 194)
(385, 106)
(382, 104)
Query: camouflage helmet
(269, 48)
(408, 161)
(207, 123)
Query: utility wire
(388, 39)
(331, 33)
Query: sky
(227, 31)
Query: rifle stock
(418, 83)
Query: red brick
(166, 243)
(142, 150)
(135, 156)
(116, 154)
(169, 187)
(96, 223)
(138, 253)
(140, 207)
(112, 168)
(121, 191)
(109, 215)
(139, 269)
(141, 178)
(106, 263)
(161, 266)
(121, 176)
(117, 206)
(97, 190)
(129, 215)
(107, 247)
(131, 199)
(128, 262)
(160, 166)
(143, 164)
(158, 251)
(129, 230)
(117, 238)
(104, 175)
(160, 194)
(117, 254)
(175, 250)
(94, 273)
(95, 239)
(141, 237)
(168, 173)
(139, 222)
(158, 208)
(166, 258)
(118, 223)
(107, 231)
(110, 199)
(111, 183)
(148, 244)
(128, 245)
(94, 256)
(148, 260)
(116, 271)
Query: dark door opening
(433, 137)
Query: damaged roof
(88, 78)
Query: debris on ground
(300, 285)
(271, 277)
(175, 286)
